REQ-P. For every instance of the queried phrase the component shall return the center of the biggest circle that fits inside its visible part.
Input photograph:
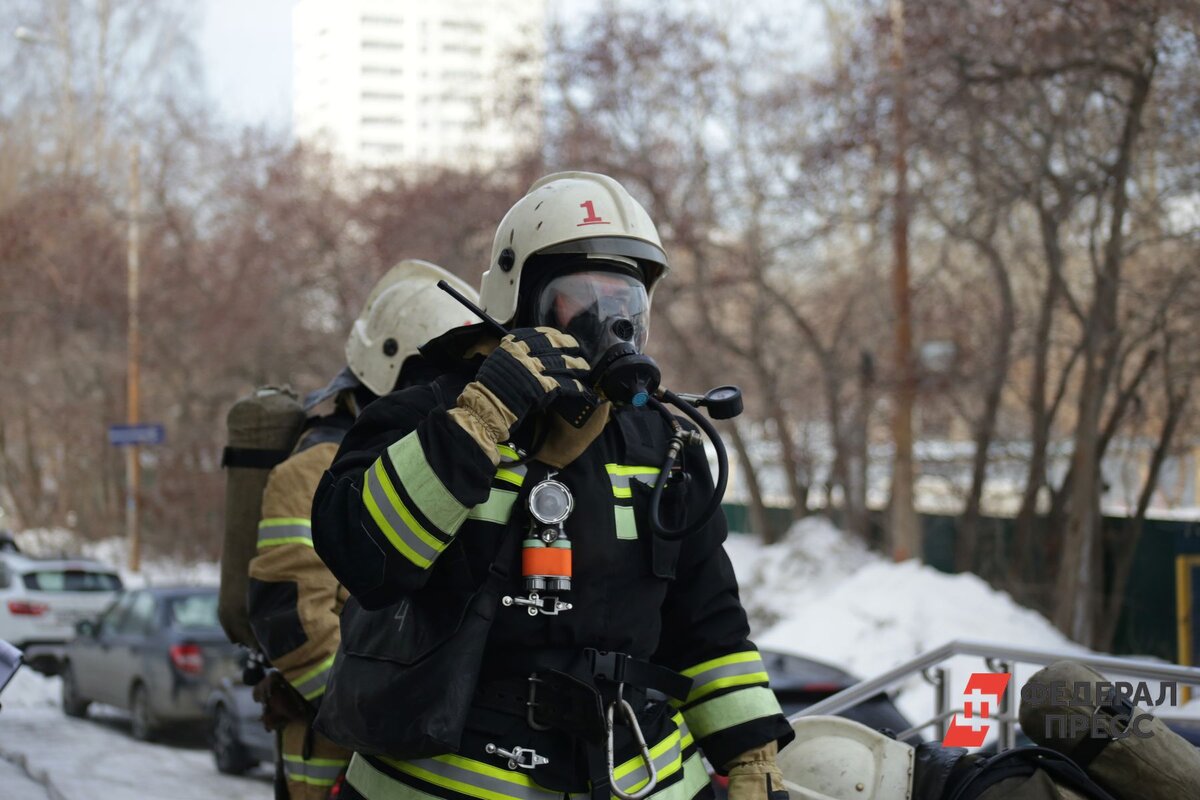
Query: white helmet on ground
(404, 310)
(573, 214)
(833, 758)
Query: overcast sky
(247, 50)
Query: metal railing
(997, 658)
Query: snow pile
(28, 689)
(61, 542)
(821, 594)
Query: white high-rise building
(418, 83)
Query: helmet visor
(598, 308)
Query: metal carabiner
(651, 770)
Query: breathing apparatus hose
(678, 440)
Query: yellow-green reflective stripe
(318, 772)
(498, 507)
(508, 452)
(738, 669)
(473, 778)
(317, 762)
(394, 519)
(626, 522)
(695, 779)
(748, 679)
(621, 469)
(713, 663)
(312, 683)
(264, 544)
(274, 531)
(275, 522)
(508, 476)
(731, 710)
(667, 756)
(375, 785)
(425, 488)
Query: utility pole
(133, 463)
(905, 530)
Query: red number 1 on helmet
(592, 218)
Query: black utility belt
(554, 699)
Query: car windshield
(193, 611)
(54, 580)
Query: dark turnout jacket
(411, 501)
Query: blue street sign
(125, 435)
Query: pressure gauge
(550, 502)
(723, 402)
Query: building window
(383, 147)
(376, 20)
(377, 70)
(382, 96)
(381, 120)
(381, 44)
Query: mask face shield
(599, 308)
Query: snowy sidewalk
(85, 759)
(17, 784)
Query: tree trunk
(1039, 422)
(760, 521)
(966, 551)
(857, 514)
(1079, 567)
(1127, 547)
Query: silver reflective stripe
(693, 781)
(723, 676)
(509, 474)
(662, 761)
(621, 475)
(476, 778)
(312, 683)
(317, 771)
(391, 514)
(284, 530)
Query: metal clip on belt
(518, 757)
(630, 720)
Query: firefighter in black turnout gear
(615, 656)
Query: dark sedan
(800, 682)
(157, 652)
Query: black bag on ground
(404, 677)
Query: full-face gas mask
(599, 307)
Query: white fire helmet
(571, 214)
(404, 310)
(833, 758)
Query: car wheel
(142, 722)
(230, 755)
(73, 705)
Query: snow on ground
(75, 759)
(820, 593)
(28, 689)
(97, 758)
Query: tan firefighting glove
(532, 368)
(754, 775)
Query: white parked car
(41, 600)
